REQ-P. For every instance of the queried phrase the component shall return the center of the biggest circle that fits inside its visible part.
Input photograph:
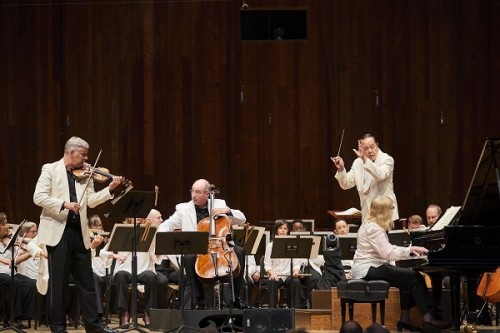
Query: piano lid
(482, 203)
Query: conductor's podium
(326, 311)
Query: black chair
(362, 291)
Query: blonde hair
(381, 212)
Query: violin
(100, 174)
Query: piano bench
(362, 291)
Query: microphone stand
(230, 318)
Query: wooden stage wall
(171, 94)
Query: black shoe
(200, 304)
(407, 326)
(19, 324)
(239, 303)
(102, 330)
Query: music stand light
(133, 204)
(181, 243)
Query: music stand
(133, 204)
(12, 273)
(187, 242)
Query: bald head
(155, 217)
(432, 214)
(200, 192)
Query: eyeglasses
(197, 192)
(33, 231)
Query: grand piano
(466, 242)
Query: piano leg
(437, 290)
(455, 300)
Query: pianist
(372, 262)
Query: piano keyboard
(412, 262)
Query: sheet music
(349, 212)
(446, 218)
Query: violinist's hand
(338, 162)
(296, 273)
(418, 250)
(115, 182)
(96, 241)
(72, 206)
(220, 211)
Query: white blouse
(374, 249)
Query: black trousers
(23, 293)
(411, 284)
(295, 292)
(155, 289)
(70, 256)
(189, 265)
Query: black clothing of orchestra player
(64, 229)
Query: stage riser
(248, 321)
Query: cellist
(186, 217)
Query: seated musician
(328, 269)
(340, 227)
(415, 222)
(432, 214)
(298, 226)
(186, 217)
(278, 270)
(146, 275)
(372, 262)
(98, 266)
(24, 290)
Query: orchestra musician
(24, 290)
(146, 275)
(340, 227)
(371, 173)
(186, 217)
(432, 214)
(64, 229)
(278, 270)
(372, 262)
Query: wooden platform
(325, 313)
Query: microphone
(229, 240)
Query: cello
(220, 260)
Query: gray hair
(26, 227)
(75, 143)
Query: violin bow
(92, 168)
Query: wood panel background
(170, 94)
